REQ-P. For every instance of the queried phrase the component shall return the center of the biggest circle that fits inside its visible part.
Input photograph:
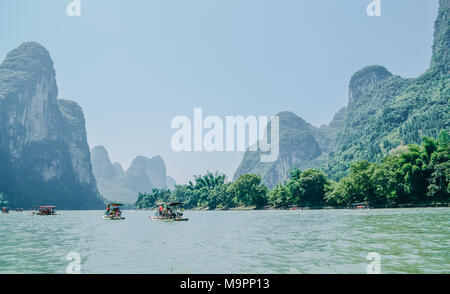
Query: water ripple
(325, 241)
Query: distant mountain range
(44, 155)
(142, 176)
(383, 112)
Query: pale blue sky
(133, 65)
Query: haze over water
(320, 241)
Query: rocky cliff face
(383, 112)
(364, 81)
(102, 166)
(441, 53)
(44, 153)
(299, 146)
(142, 176)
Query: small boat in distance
(45, 210)
(168, 212)
(361, 205)
(113, 211)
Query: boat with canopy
(360, 205)
(113, 211)
(45, 210)
(169, 212)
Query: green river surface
(304, 241)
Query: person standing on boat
(160, 210)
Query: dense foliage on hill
(383, 111)
(412, 175)
(409, 175)
(392, 112)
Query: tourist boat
(45, 210)
(113, 211)
(361, 205)
(168, 212)
(5, 210)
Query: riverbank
(251, 208)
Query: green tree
(278, 196)
(406, 176)
(221, 197)
(147, 200)
(3, 200)
(439, 187)
(185, 194)
(204, 185)
(199, 193)
(387, 182)
(356, 187)
(333, 194)
(307, 188)
(248, 190)
(209, 180)
(415, 171)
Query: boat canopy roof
(115, 204)
(175, 203)
(46, 206)
(360, 203)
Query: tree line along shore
(409, 176)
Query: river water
(314, 241)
